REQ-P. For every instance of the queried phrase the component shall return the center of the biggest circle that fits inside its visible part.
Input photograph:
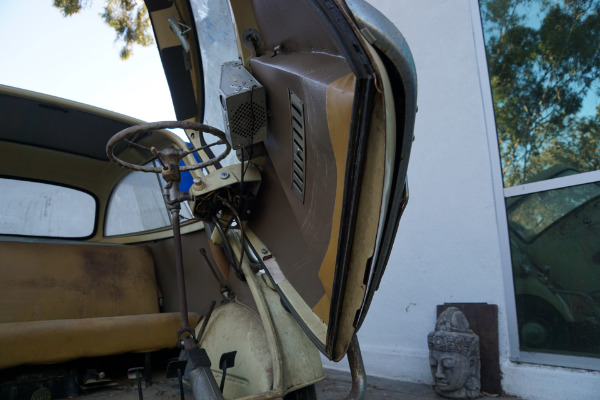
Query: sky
(77, 58)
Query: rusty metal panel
(483, 320)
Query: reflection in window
(544, 65)
(533, 214)
(555, 249)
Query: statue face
(450, 370)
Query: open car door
(320, 95)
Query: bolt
(264, 250)
(224, 175)
(199, 183)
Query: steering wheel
(169, 156)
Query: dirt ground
(336, 386)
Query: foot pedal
(96, 380)
(137, 374)
(227, 361)
(176, 368)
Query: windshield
(217, 46)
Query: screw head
(264, 250)
(224, 175)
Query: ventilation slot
(298, 145)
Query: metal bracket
(198, 358)
(180, 30)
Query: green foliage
(544, 60)
(129, 19)
(70, 7)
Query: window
(544, 71)
(555, 252)
(137, 205)
(544, 68)
(46, 210)
(217, 46)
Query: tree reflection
(544, 62)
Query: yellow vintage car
(242, 248)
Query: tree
(129, 18)
(544, 62)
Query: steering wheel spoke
(206, 146)
(170, 156)
(137, 145)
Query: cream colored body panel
(276, 357)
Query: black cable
(228, 205)
(228, 250)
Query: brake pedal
(227, 361)
(176, 368)
(136, 374)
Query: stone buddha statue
(454, 356)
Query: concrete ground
(336, 386)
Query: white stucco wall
(447, 247)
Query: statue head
(454, 356)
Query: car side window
(137, 205)
(45, 210)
